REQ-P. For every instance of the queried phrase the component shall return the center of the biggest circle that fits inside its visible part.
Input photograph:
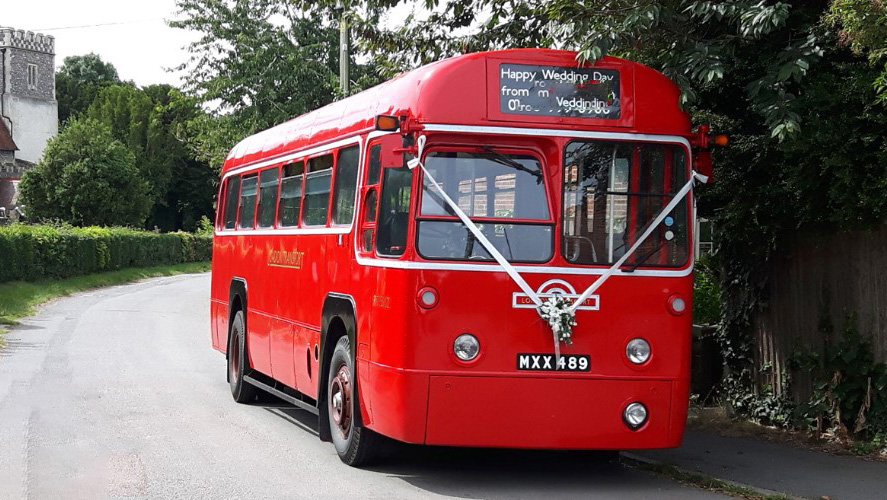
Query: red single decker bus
(493, 250)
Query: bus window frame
(273, 225)
(634, 181)
(333, 187)
(364, 188)
(332, 152)
(237, 224)
(280, 179)
(303, 156)
(368, 225)
(411, 210)
(220, 206)
(372, 143)
(227, 192)
(505, 150)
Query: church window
(32, 76)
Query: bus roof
(464, 90)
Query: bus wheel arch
(338, 387)
(236, 352)
(338, 320)
(236, 302)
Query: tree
(257, 64)
(693, 42)
(79, 81)
(863, 26)
(192, 185)
(129, 113)
(89, 68)
(150, 122)
(86, 177)
(264, 72)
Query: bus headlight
(634, 416)
(637, 351)
(466, 347)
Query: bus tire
(356, 445)
(238, 361)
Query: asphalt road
(117, 393)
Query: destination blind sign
(559, 91)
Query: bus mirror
(702, 164)
(387, 123)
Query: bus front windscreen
(504, 194)
(612, 192)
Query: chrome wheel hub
(340, 400)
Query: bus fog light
(677, 305)
(635, 416)
(638, 351)
(427, 297)
(466, 347)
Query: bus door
(383, 224)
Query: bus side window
(218, 206)
(346, 185)
(375, 165)
(394, 212)
(290, 195)
(248, 191)
(232, 197)
(317, 191)
(371, 197)
(267, 197)
(371, 203)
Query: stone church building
(28, 109)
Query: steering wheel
(573, 254)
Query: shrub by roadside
(33, 252)
(706, 292)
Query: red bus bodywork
(298, 284)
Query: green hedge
(31, 252)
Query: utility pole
(344, 77)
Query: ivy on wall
(848, 398)
(829, 178)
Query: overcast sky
(132, 35)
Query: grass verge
(19, 298)
(705, 482)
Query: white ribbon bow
(549, 316)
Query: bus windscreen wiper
(504, 160)
(645, 257)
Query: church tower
(28, 109)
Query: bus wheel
(237, 361)
(355, 444)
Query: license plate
(546, 363)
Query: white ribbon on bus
(512, 272)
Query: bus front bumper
(525, 412)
